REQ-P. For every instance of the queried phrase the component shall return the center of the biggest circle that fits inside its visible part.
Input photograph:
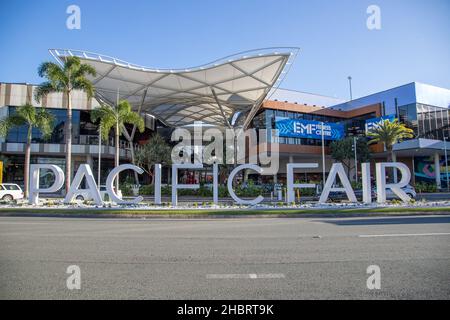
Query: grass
(221, 212)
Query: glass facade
(84, 131)
(19, 134)
(433, 122)
(428, 122)
(408, 115)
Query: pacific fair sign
(337, 170)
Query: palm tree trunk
(117, 154)
(27, 163)
(393, 172)
(68, 142)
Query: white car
(103, 194)
(10, 191)
(408, 189)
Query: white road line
(21, 223)
(246, 276)
(402, 235)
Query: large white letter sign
(34, 181)
(157, 190)
(366, 183)
(176, 186)
(290, 179)
(230, 184)
(110, 184)
(216, 184)
(337, 169)
(395, 187)
(84, 171)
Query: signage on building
(375, 122)
(296, 128)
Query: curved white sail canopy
(211, 94)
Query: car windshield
(11, 187)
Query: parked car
(103, 194)
(408, 189)
(10, 191)
(339, 196)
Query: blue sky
(412, 45)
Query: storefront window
(432, 122)
(19, 134)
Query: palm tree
(32, 117)
(67, 78)
(116, 117)
(390, 133)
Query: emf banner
(375, 122)
(296, 128)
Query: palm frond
(44, 89)
(54, 74)
(107, 117)
(85, 70)
(134, 119)
(71, 65)
(390, 133)
(44, 122)
(85, 85)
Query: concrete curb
(218, 216)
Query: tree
(67, 78)
(154, 151)
(342, 151)
(116, 117)
(32, 117)
(390, 133)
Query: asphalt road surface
(318, 258)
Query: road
(319, 258)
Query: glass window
(11, 187)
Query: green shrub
(146, 190)
(424, 187)
(126, 190)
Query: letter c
(110, 180)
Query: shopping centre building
(240, 91)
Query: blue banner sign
(375, 122)
(295, 128)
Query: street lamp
(446, 160)
(356, 158)
(323, 156)
(99, 154)
(350, 84)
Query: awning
(211, 94)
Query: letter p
(34, 181)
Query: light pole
(323, 156)
(350, 84)
(446, 160)
(356, 158)
(99, 155)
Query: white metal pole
(323, 156)
(99, 155)
(446, 162)
(350, 85)
(356, 159)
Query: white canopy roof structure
(211, 94)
